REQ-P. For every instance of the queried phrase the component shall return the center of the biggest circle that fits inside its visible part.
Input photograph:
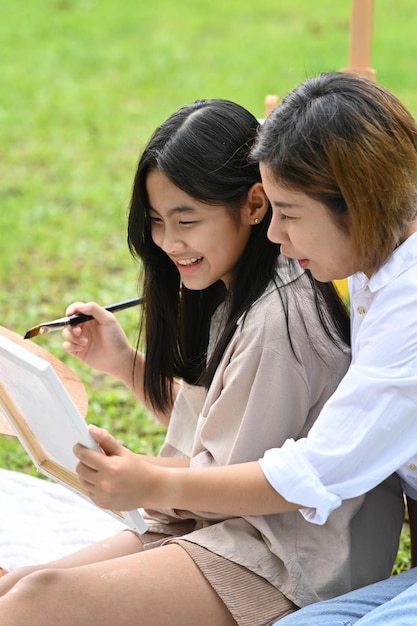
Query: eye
(287, 217)
(188, 223)
(155, 220)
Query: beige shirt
(264, 392)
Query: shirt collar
(398, 262)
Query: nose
(169, 241)
(277, 232)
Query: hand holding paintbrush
(74, 320)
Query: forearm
(233, 490)
(131, 374)
(172, 462)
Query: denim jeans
(391, 602)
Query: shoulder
(286, 319)
(288, 299)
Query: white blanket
(41, 521)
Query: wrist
(157, 487)
(123, 370)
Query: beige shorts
(251, 599)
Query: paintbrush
(79, 318)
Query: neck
(410, 230)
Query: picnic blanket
(41, 521)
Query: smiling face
(308, 232)
(202, 240)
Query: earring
(256, 220)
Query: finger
(75, 307)
(87, 475)
(74, 340)
(75, 337)
(72, 332)
(90, 308)
(105, 440)
(90, 458)
(73, 348)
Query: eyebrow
(179, 209)
(284, 205)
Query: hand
(100, 343)
(118, 479)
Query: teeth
(190, 261)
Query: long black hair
(203, 149)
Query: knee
(38, 584)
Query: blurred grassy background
(83, 85)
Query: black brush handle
(79, 318)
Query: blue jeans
(391, 602)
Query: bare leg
(158, 587)
(119, 545)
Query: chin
(322, 277)
(194, 285)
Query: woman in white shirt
(358, 156)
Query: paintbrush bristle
(32, 332)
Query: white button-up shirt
(368, 428)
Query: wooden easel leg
(271, 102)
(361, 39)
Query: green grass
(83, 84)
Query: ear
(255, 207)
